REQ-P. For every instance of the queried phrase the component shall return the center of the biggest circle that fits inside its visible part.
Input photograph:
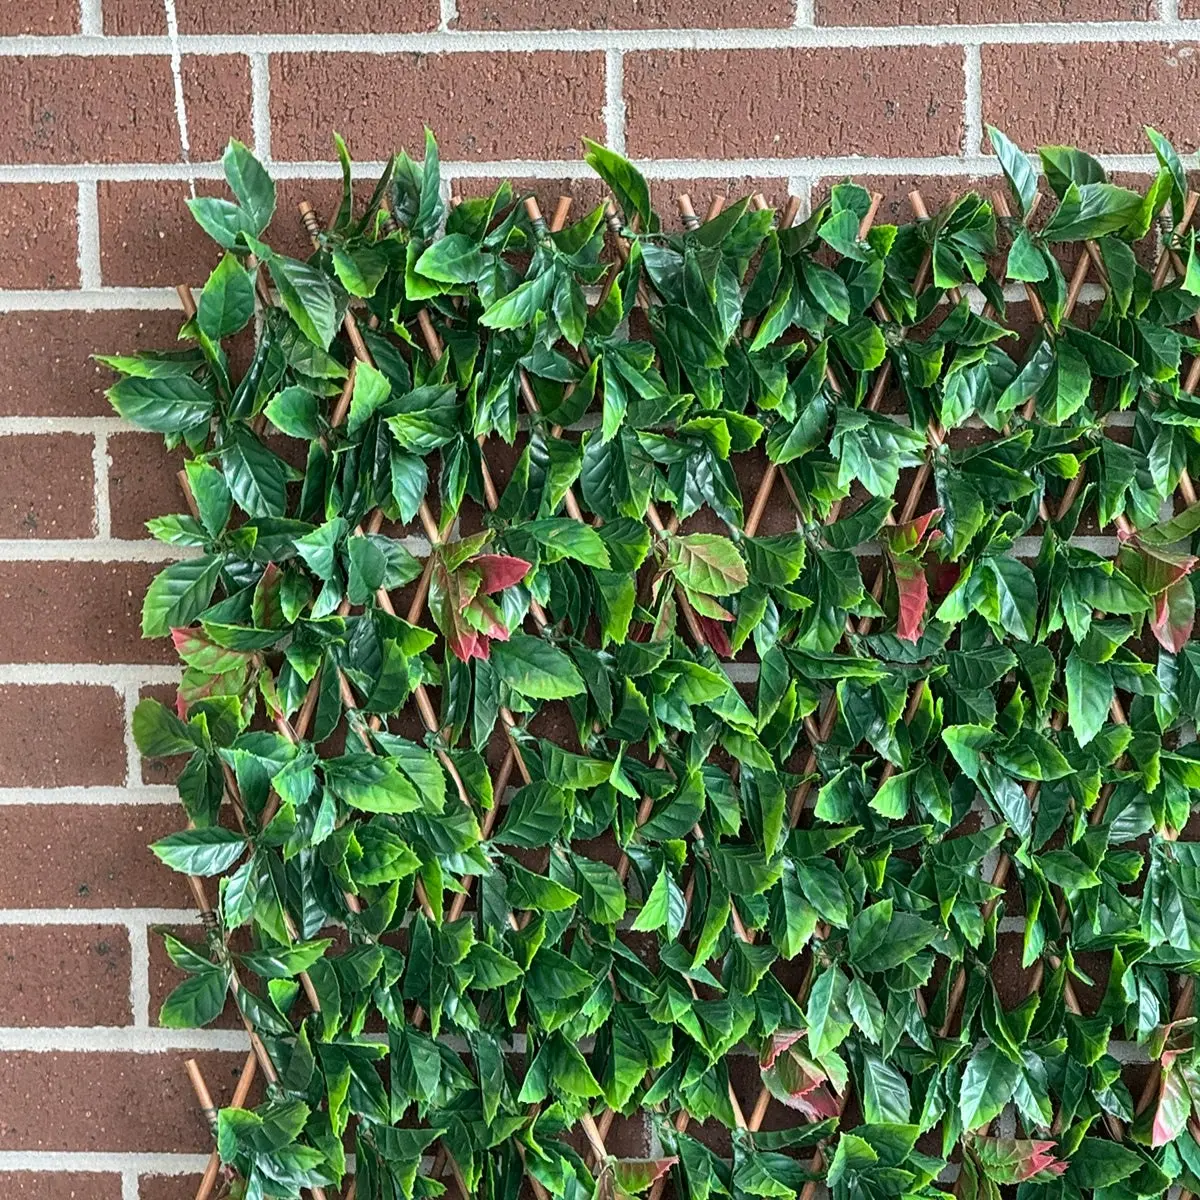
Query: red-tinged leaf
(266, 605)
(1173, 1107)
(637, 1174)
(1152, 569)
(800, 1084)
(466, 644)
(913, 591)
(1174, 615)
(482, 616)
(779, 1043)
(500, 571)
(1013, 1160)
(715, 635)
(903, 539)
(198, 651)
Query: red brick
(624, 14)
(46, 368)
(142, 482)
(149, 239)
(65, 975)
(60, 735)
(89, 856)
(94, 109)
(44, 18)
(781, 103)
(166, 1187)
(978, 12)
(39, 240)
(59, 1185)
(142, 17)
(78, 612)
(1096, 96)
(46, 486)
(114, 1102)
(498, 105)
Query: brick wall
(116, 108)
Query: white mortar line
(102, 525)
(99, 916)
(139, 975)
(947, 166)
(98, 674)
(614, 100)
(260, 105)
(120, 1039)
(805, 14)
(91, 19)
(133, 756)
(92, 550)
(97, 426)
(93, 1161)
(185, 149)
(96, 797)
(452, 41)
(129, 1185)
(100, 299)
(88, 223)
(449, 15)
(972, 100)
(1168, 12)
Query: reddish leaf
(800, 1084)
(1174, 1104)
(637, 1174)
(267, 605)
(500, 571)
(1174, 615)
(1152, 569)
(205, 655)
(1013, 1160)
(466, 644)
(913, 592)
(779, 1043)
(902, 539)
(715, 635)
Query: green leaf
(195, 1002)
(308, 297)
(227, 301)
(708, 563)
(210, 851)
(1022, 178)
(179, 594)
(372, 784)
(987, 1086)
(534, 668)
(1089, 696)
(171, 404)
(249, 182)
(630, 189)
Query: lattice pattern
(868, 683)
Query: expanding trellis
(636, 803)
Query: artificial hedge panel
(541, 793)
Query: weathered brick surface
(65, 975)
(114, 1102)
(44, 18)
(745, 103)
(119, 109)
(138, 17)
(77, 612)
(59, 1185)
(1095, 96)
(46, 486)
(142, 482)
(979, 12)
(88, 856)
(502, 105)
(39, 241)
(623, 14)
(60, 735)
(46, 369)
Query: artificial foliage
(687, 673)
